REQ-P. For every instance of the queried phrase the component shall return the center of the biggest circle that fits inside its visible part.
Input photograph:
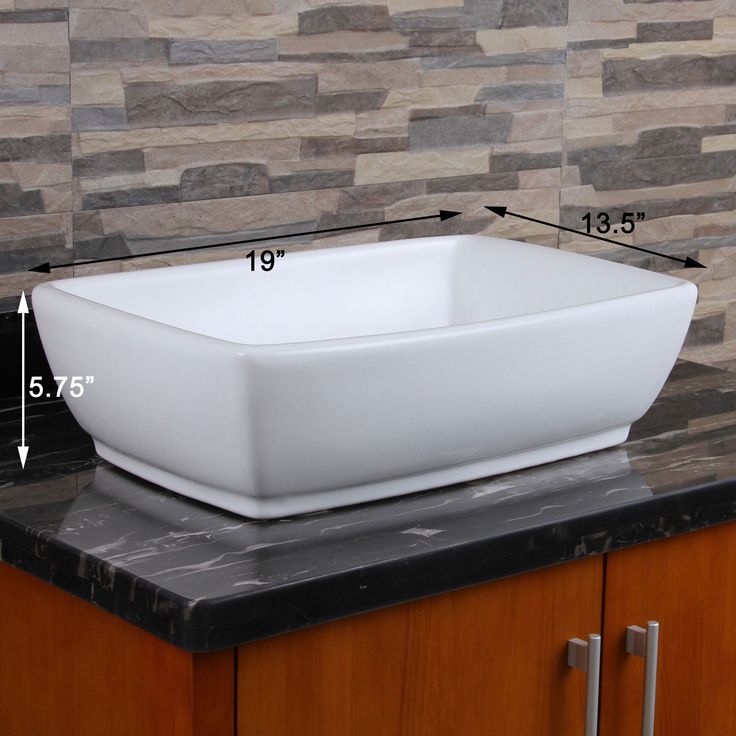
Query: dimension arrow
(23, 311)
(442, 215)
(689, 262)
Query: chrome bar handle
(645, 643)
(586, 656)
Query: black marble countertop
(204, 579)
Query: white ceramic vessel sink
(356, 373)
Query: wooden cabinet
(688, 585)
(484, 660)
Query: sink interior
(366, 290)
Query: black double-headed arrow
(689, 262)
(442, 215)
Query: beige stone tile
(224, 27)
(191, 8)
(97, 88)
(724, 26)
(541, 145)
(524, 105)
(584, 87)
(529, 126)
(589, 30)
(57, 198)
(719, 143)
(255, 72)
(354, 41)
(480, 76)
(376, 168)
(570, 176)
(342, 162)
(514, 40)
(432, 96)
(34, 58)
(155, 178)
(21, 79)
(95, 142)
(584, 63)
(535, 73)
(664, 229)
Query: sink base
(276, 507)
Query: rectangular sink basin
(350, 374)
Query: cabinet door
(485, 660)
(688, 584)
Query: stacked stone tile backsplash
(133, 126)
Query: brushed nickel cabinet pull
(645, 643)
(586, 656)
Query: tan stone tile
(31, 58)
(584, 63)
(584, 87)
(432, 96)
(33, 34)
(479, 76)
(219, 215)
(524, 105)
(343, 162)
(541, 145)
(589, 30)
(630, 121)
(21, 79)
(528, 126)
(404, 6)
(32, 175)
(399, 73)
(255, 72)
(224, 27)
(97, 88)
(535, 73)
(588, 127)
(354, 41)
(663, 229)
(539, 179)
(570, 176)
(338, 124)
(380, 123)
(262, 151)
(57, 198)
(719, 143)
(514, 40)
(107, 23)
(375, 168)
(724, 26)
(670, 48)
(155, 178)
(656, 101)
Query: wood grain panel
(688, 584)
(69, 669)
(484, 660)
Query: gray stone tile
(45, 94)
(511, 92)
(151, 104)
(675, 140)
(99, 118)
(58, 15)
(14, 201)
(104, 246)
(678, 30)
(525, 161)
(312, 180)
(452, 132)
(600, 43)
(188, 51)
(658, 172)
(20, 258)
(134, 197)
(422, 113)
(474, 15)
(359, 101)
(655, 209)
(109, 162)
(369, 197)
(43, 149)
(623, 76)
(443, 39)
(224, 180)
(507, 181)
(345, 18)
(518, 13)
(118, 49)
(553, 57)
(706, 330)
(341, 145)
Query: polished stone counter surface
(203, 579)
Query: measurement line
(442, 215)
(689, 262)
(23, 311)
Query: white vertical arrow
(23, 311)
